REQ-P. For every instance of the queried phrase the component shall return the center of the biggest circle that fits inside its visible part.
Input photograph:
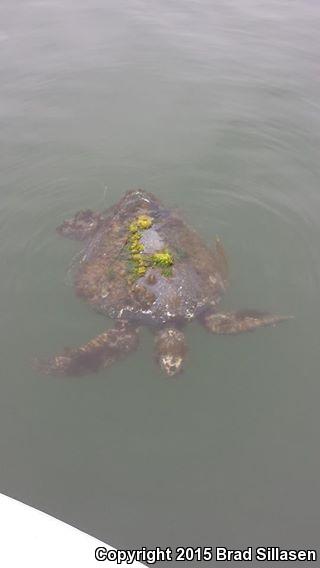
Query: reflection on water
(215, 108)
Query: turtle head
(171, 350)
(171, 364)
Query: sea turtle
(143, 265)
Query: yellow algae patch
(139, 261)
(143, 222)
(133, 228)
(163, 259)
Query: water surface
(213, 106)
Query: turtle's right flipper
(231, 323)
(83, 225)
(102, 351)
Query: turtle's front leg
(83, 225)
(235, 322)
(102, 351)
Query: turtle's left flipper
(102, 351)
(83, 225)
(235, 322)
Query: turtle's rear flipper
(102, 351)
(236, 322)
(83, 225)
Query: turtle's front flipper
(236, 322)
(170, 350)
(83, 225)
(102, 351)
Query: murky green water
(213, 106)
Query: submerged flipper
(170, 350)
(102, 351)
(236, 322)
(83, 225)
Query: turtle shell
(145, 264)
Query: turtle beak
(171, 364)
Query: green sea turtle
(143, 265)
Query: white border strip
(30, 538)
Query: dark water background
(214, 106)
